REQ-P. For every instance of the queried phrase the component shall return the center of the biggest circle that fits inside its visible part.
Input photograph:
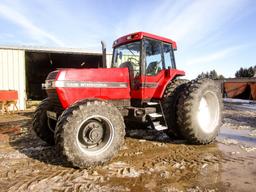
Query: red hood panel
(108, 84)
(97, 75)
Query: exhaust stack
(104, 54)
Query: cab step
(155, 115)
(152, 103)
(158, 126)
(157, 121)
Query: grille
(55, 100)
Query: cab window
(153, 57)
(168, 56)
(128, 55)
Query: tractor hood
(101, 77)
(75, 84)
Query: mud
(149, 161)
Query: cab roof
(139, 35)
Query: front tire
(200, 111)
(42, 124)
(90, 133)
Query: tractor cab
(150, 61)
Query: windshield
(127, 55)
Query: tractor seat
(128, 65)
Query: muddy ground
(149, 160)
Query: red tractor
(86, 109)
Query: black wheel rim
(95, 135)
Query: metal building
(24, 69)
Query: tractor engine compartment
(72, 85)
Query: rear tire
(200, 111)
(89, 133)
(169, 102)
(41, 122)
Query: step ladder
(157, 119)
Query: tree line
(242, 72)
(246, 72)
(211, 75)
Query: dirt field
(149, 160)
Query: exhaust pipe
(104, 55)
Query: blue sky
(210, 34)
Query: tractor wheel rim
(208, 112)
(95, 135)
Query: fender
(170, 75)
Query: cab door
(157, 68)
(153, 73)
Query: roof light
(129, 37)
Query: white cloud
(19, 19)
(187, 22)
(215, 56)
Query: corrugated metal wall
(12, 73)
(109, 60)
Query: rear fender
(170, 75)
